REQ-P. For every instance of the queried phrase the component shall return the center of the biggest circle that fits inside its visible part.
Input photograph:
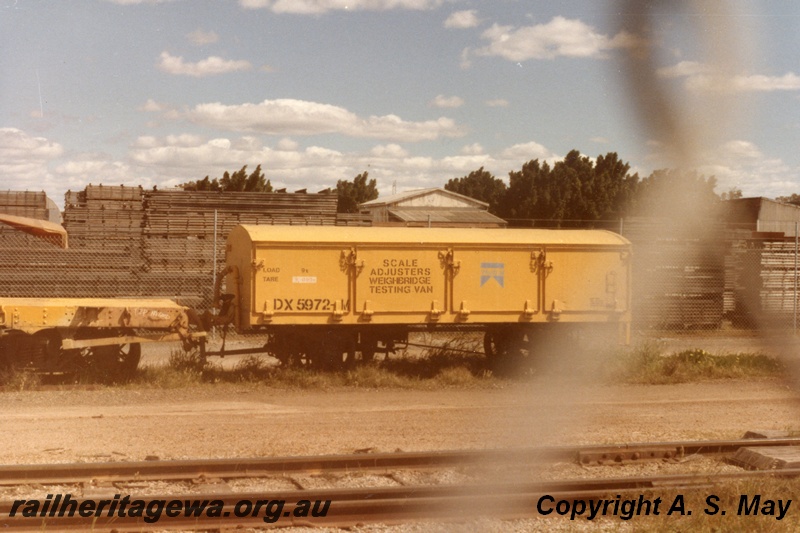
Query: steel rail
(379, 505)
(59, 473)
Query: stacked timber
(677, 281)
(769, 287)
(28, 204)
(106, 219)
(353, 219)
(124, 241)
(185, 232)
(105, 229)
(34, 267)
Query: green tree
(481, 185)
(204, 184)
(793, 199)
(677, 194)
(527, 189)
(239, 181)
(734, 193)
(575, 188)
(353, 193)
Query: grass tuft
(17, 379)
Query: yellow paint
(353, 275)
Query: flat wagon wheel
(37, 352)
(113, 363)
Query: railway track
(118, 483)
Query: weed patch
(647, 365)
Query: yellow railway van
(325, 294)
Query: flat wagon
(64, 335)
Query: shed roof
(408, 195)
(441, 215)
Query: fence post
(214, 267)
(214, 275)
(795, 278)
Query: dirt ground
(230, 420)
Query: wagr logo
(492, 271)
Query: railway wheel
(287, 349)
(118, 362)
(332, 353)
(494, 343)
(368, 346)
(37, 352)
(114, 363)
(508, 350)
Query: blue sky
(159, 92)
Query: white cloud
(462, 19)
(447, 101)
(392, 151)
(287, 145)
(701, 77)
(740, 150)
(497, 102)
(527, 152)
(559, 37)
(313, 7)
(299, 117)
(90, 168)
(472, 149)
(210, 66)
(759, 83)
(16, 146)
(151, 106)
(200, 37)
(683, 69)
